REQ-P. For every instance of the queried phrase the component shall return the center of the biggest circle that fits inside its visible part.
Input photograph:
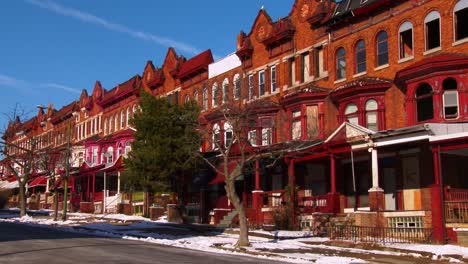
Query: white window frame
(214, 95)
(403, 28)
(228, 129)
(274, 84)
(261, 83)
(205, 98)
(460, 5)
(251, 87)
(237, 86)
(225, 91)
(216, 131)
(434, 15)
(458, 103)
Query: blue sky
(51, 50)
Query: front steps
(227, 220)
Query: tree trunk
(22, 196)
(244, 228)
(55, 203)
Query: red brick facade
(323, 64)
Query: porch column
(332, 174)
(438, 208)
(88, 189)
(376, 194)
(47, 187)
(257, 202)
(292, 184)
(118, 182)
(104, 202)
(94, 185)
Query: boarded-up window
(296, 125)
(312, 121)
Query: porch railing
(381, 234)
(452, 194)
(456, 212)
(318, 203)
(273, 198)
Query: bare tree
(19, 149)
(51, 160)
(238, 149)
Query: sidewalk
(287, 246)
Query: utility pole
(67, 172)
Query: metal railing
(456, 212)
(453, 194)
(273, 198)
(381, 234)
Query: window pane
(350, 109)
(371, 105)
(406, 43)
(296, 130)
(432, 34)
(296, 114)
(461, 24)
(450, 98)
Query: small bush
(283, 218)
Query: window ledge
(405, 59)
(359, 74)
(460, 41)
(432, 50)
(381, 67)
(325, 75)
(339, 81)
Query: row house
(366, 99)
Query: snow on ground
(438, 250)
(163, 233)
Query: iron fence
(381, 234)
(456, 212)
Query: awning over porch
(39, 181)
(115, 166)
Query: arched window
(405, 34)
(119, 150)
(128, 116)
(195, 96)
(216, 138)
(214, 95)
(432, 30)
(116, 122)
(382, 48)
(225, 91)
(450, 98)
(351, 114)
(128, 147)
(237, 86)
(360, 56)
(187, 99)
(105, 126)
(110, 124)
(460, 20)
(134, 109)
(371, 115)
(205, 98)
(228, 134)
(110, 154)
(424, 102)
(122, 119)
(340, 64)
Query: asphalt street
(30, 244)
